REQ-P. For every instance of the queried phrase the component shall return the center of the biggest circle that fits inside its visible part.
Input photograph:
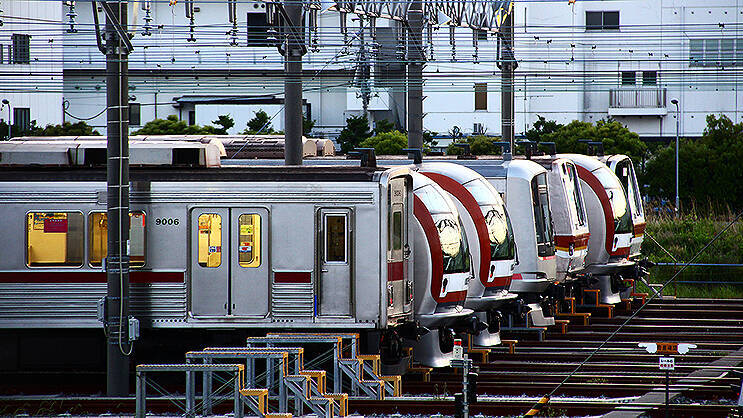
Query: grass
(683, 237)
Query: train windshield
(626, 173)
(617, 198)
(542, 215)
(500, 233)
(451, 234)
(453, 244)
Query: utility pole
(293, 51)
(508, 65)
(117, 50)
(415, 59)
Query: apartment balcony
(637, 102)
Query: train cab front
(611, 225)
(442, 272)
(490, 239)
(623, 168)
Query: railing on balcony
(632, 98)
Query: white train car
(569, 215)
(443, 271)
(622, 166)
(610, 223)
(491, 241)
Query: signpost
(667, 364)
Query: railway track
(619, 377)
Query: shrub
(387, 143)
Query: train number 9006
(166, 221)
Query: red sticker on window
(55, 225)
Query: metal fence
(637, 97)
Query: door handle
(324, 270)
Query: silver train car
(211, 248)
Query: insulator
(190, 16)
(344, 28)
(315, 30)
(429, 31)
(475, 58)
(71, 15)
(453, 44)
(147, 27)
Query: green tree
(387, 143)
(172, 126)
(65, 129)
(541, 128)
(709, 167)
(617, 139)
(355, 132)
(226, 122)
(479, 145)
(260, 124)
(383, 125)
(307, 125)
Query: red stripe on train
(395, 271)
(292, 277)
(88, 277)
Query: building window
(210, 240)
(649, 78)
(54, 239)
(602, 20)
(481, 96)
(135, 118)
(22, 118)
(98, 238)
(482, 35)
(249, 251)
(192, 117)
(725, 52)
(1, 54)
(258, 30)
(21, 54)
(628, 78)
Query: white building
(587, 60)
(31, 47)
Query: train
(407, 253)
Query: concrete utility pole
(415, 59)
(508, 65)
(293, 52)
(117, 174)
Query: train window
(577, 198)
(98, 238)
(54, 239)
(542, 216)
(396, 234)
(210, 240)
(335, 238)
(249, 251)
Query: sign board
(666, 363)
(667, 348)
